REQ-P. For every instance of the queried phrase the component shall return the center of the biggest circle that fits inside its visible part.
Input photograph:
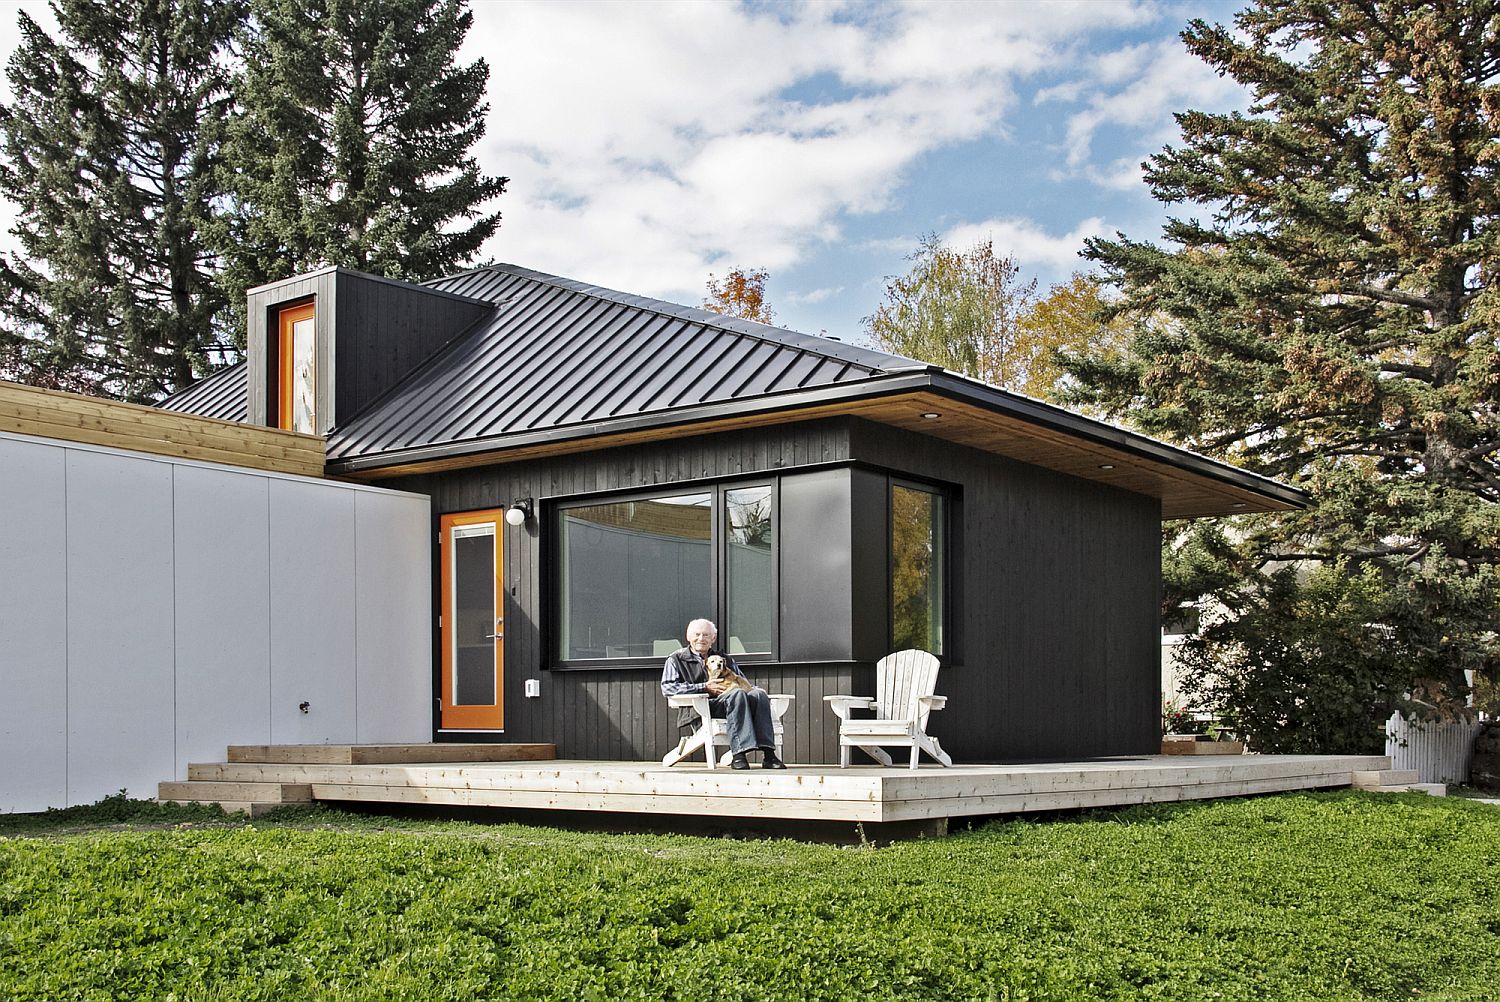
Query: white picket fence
(1441, 752)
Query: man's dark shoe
(738, 762)
(770, 761)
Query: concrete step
(1431, 789)
(1370, 779)
(390, 754)
(196, 791)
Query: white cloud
(677, 138)
(653, 142)
(1032, 247)
(1137, 89)
(814, 296)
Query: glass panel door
(298, 391)
(473, 630)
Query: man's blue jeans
(747, 717)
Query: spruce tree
(1328, 316)
(109, 144)
(352, 144)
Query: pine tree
(108, 146)
(352, 143)
(1330, 319)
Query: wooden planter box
(1188, 744)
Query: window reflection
(750, 535)
(633, 574)
(916, 569)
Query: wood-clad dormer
(320, 347)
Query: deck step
(1373, 778)
(1431, 789)
(214, 792)
(390, 754)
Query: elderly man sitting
(746, 715)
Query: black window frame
(555, 510)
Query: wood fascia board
(73, 417)
(1186, 484)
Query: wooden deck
(810, 793)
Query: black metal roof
(559, 354)
(224, 395)
(559, 363)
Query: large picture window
(634, 572)
(918, 575)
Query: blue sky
(651, 144)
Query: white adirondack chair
(713, 731)
(903, 698)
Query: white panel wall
(120, 652)
(312, 624)
(393, 546)
(33, 625)
(223, 601)
(153, 611)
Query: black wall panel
(1058, 643)
(817, 613)
(1056, 582)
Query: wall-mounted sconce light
(520, 510)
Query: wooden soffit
(1187, 486)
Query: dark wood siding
(1058, 584)
(1055, 647)
(386, 329)
(618, 713)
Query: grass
(1313, 896)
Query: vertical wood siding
(1057, 631)
(618, 713)
(1059, 581)
(1440, 751)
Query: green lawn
(1327, 896)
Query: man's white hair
(705, 622)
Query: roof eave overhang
(1048, 416)
(1272, 495)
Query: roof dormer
(320, 347)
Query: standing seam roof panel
(559, 353)
(590, 366)
(511, 385)
(600, 360)
(486, 354)
(663, 386)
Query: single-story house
(604, 467)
